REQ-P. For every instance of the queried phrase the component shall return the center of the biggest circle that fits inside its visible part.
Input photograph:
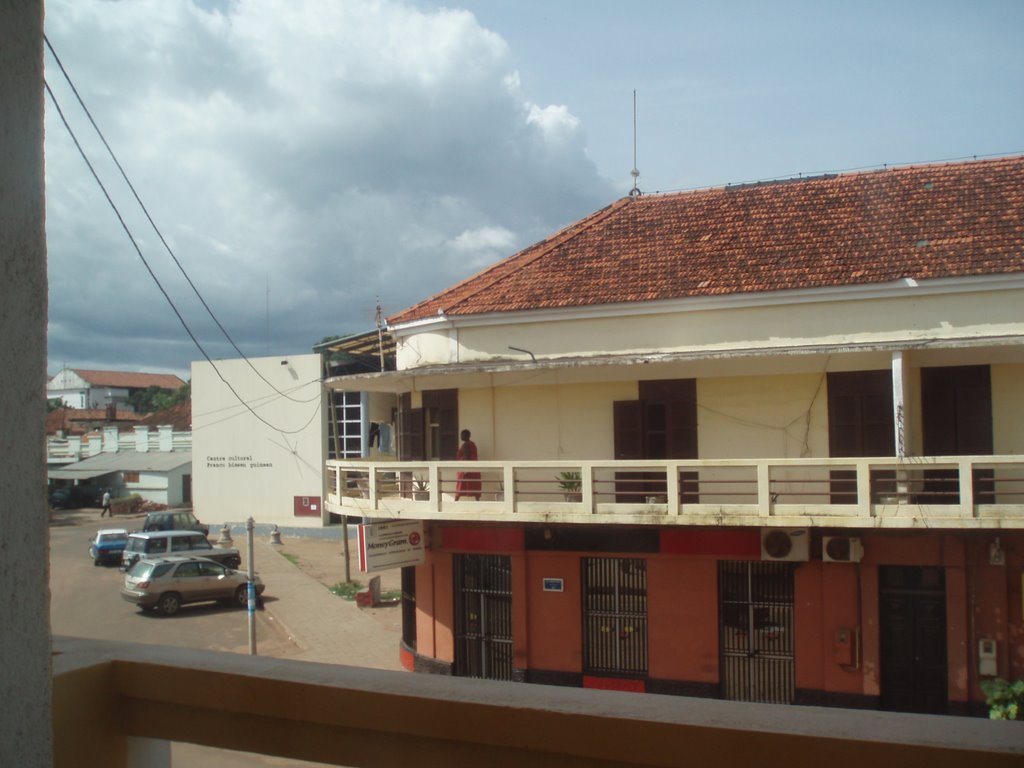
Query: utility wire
(152, 223)
(152, 274)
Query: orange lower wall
(554, 632)
(836, 609)
(683, 594)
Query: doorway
(483, 616)
(755, 601)
(912, 638)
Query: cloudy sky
(304, 157)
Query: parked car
(174, 520)
(165, 584)
(107, 546)
(153, 544)
(76, 496)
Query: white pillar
(899, 401)
(142, 439)
(166, 437)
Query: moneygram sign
(383, 546)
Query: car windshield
(113, 538)
(136, 545)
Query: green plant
(346, 589)
(293, 559)
(1005, 699)
(570, 482)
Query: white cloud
(333, 151)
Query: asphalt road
(85, 601)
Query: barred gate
(483, 616)
(615, 615)
(756, 631)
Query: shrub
(1005, 699)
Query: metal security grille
(614, 615)
(483, 616)
(756, 631)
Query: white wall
(905, 316)
(254, 464)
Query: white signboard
(383, 546)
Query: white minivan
(163, 543)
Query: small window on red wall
(131, 477)
(307, 506)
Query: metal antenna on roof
(635, 173)
(380, 334)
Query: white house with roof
(81, 388)
(762, 442)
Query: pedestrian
(106, 503)
(467, 483)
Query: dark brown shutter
(860, 420)
(956, 406)
(446, 403)
(628, 427)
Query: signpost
(383, 546)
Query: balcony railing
(119, 705)
(881, 492)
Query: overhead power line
(152, 274)
(152, 223)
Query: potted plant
(1005, 699)
(571, 484)
(420, 489)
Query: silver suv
(165, 584)
(164, 543)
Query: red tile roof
(129, 380)
(78, 421)
(921, 222)
(178, 416)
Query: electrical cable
(152, 223)
(152, 274)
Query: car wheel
(95, 561)
(169, 603)
(242, 595)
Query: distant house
(146, 455)
(81, 388)
(760, 442)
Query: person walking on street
(106, 503)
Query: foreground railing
(120, 704)
(965, 491)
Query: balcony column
(899, 420)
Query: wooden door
(912, 635)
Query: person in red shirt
(467, 483)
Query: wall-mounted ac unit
(792, 544)
(841, 549)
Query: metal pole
(252, 588)
(344, 541)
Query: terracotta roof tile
(921, 222)
(178, 416)
(130, 380)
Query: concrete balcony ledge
(968, 492)
(112, 699)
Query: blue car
(108, 545)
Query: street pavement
(325, 627)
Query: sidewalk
(325, 627)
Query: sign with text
(383, 546)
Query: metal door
(756, 631)
(615, 615)
(912, 628)
(483, 616)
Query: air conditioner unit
(841, 549)
(792, 544)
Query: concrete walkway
(324, 626)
